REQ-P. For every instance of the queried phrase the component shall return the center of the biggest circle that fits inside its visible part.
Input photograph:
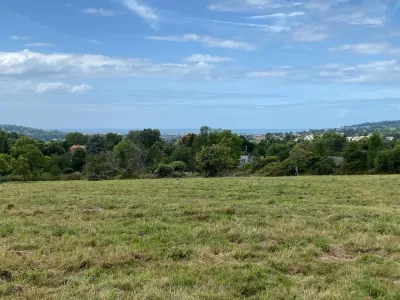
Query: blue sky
(184, 64)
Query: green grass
(229, 238)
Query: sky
(237, 64)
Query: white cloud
(378, 71)
(359, 18)
(94, 41)
(100, 12)
(249, 5)
(368, 48)
(39, 45)
(144, 11)
(372, 72)
(270, 28)
(309, 34)
(285, 5)
(279, 15)
(59, 87)
(271, 73)
(206, 41)
(18, 37)
(321, 6)
(28, 64)
(207, 58)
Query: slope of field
(233, 238)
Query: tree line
(211, 153)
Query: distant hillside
(384, 127)
(375, 125)
(38, 134)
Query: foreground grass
(254, 238)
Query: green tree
(47, 163)
(136, 158)
(96, 144)
(216, 160)
(388, 161)
(185, 154)
(94, 164)
(23, 141)
(323, 166)
(31, 153)
(110, 165)
(299, 157)
(53, 148)
(146, 137)
(76, 138)
(318, 146)
(122, 150)
(355, 158)
(188, 140)
(62, 161)
(334, 143)
(384, 161)
(164, 171)
(3, 142)
(21, 167)
(374, 145)
(280, 150)
(178, 166)
(155, 154)
(112, 139)
(5, 167)
(78, 160)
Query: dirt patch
(336, 253)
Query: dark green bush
(72, 176)
(164, 171)
(92, 177)
(67, 171)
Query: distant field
(231, 238)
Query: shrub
(178, 166)
(148, 176)
(55, 170)
(72, 176)
(92, 177)
(67, 171)
(177, 175)
(284, 168)
(260, 163)
(164, 171)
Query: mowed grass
(229, 238)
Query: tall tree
(136, 157)
(355, 158)
(78, 160)
(96, 144)
(30, 152)
(112, 139)
(5, 167)
(110, 165)
(299, 157)
(76, 138)
(146, 137)
(21, 167)
(3, 142)
(216, 160)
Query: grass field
(229, 238)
